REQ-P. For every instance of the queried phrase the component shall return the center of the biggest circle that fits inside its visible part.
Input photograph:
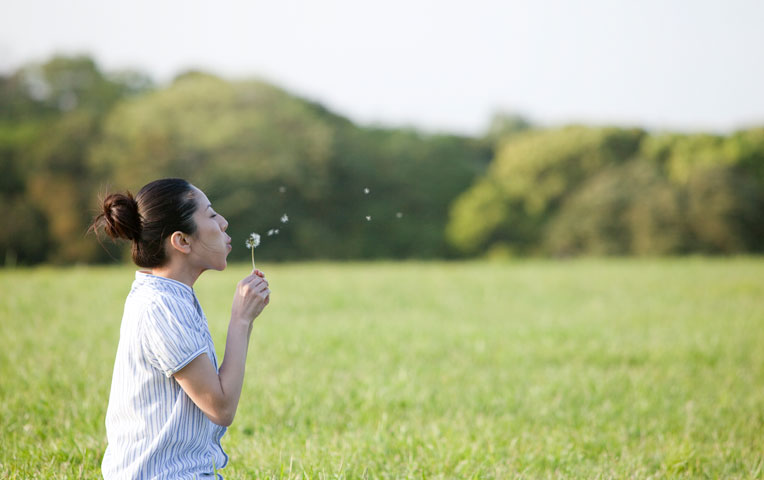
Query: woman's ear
(179, 242)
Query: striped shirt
(154, 430)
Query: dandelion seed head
(253, 240)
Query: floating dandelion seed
(282, 189)
(284, 218)
(368, 218)
(271, 231)
(366, 190)
(399, 215)
(252, 241)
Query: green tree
(530, 176)
(50, 114)
(722, 184)
(260, 152)
(409, 173)
(503, 126)
(242, 142)
(725, 209)
(621, 210)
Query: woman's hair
(161, 208)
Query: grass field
(530, 369)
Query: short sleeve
(171, 335)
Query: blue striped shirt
(154, 430)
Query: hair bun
(121, 217)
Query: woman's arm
(217, 395)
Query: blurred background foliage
(70, 132)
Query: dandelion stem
(252, 242)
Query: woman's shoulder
(164, 306)
(155, 302)
(160, 305)
(159, 291)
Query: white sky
(436, 65)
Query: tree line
(327, 188)
(609, 191)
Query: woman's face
(210, 245)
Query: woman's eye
(214, 215)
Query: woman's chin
(219, 267)
(223, 263)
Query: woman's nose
(225, 224)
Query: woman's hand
(251, 297)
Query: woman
(170, 404)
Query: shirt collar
(164, 284)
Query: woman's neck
(181, 272)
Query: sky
(684, 65)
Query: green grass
(531, 369)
